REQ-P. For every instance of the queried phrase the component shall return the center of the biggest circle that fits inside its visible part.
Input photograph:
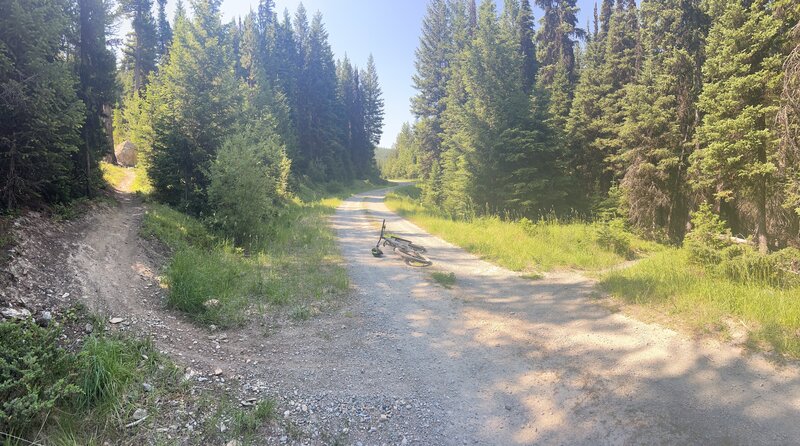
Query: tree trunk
(108, 121)
(761, 205)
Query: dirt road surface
(515, 361)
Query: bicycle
(412, 254)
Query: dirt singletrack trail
(515, 361)
(117, 274)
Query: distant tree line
(183, 91)
(651, 111)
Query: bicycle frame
(391, 240)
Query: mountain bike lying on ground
(413, 254)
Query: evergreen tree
(320, 127)
(557, 74)
(250, 70)
(621, 66)
(486, 145)
(164, 31)
(584, 127)
(349, 92)
(42, 114)
(433, 56)
(527, 46)
(789, 121)
(140, 50)
(737, 161)
(557, 38)
(373, 102)
(97, 75)
(592, 129)
(193, 107)
(662, 116)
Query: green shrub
(249, 181)
(746, 265)
(175, 229)
(708, 238)
(612, 235)
(527, 225)
(34, 375)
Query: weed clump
(446, 280)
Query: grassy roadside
(297, 271)
(545, 245)
(690, 297)
(664, 285)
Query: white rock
(116, 320)
(13, 313)
(139, 414)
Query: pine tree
(483, 149)
(164, 31)
(320, 126)
(373, 102)
(250, 70)
(193, 109)
(97, 75)
(621, 66)
(662, 116)
(789, 127)
(433, 56)
(584, 128)
(140, 50)
(592, 137)
(527, 46)
(557, 74)
(557, 38)
(737, 160)
(41, 112)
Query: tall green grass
(670, 283)
(546, 245)
(296, 266)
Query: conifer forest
(648, 112)
(585, 232)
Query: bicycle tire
(413, 258)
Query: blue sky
(389, 29)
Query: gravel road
(505, 360)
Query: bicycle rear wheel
(413, 258)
